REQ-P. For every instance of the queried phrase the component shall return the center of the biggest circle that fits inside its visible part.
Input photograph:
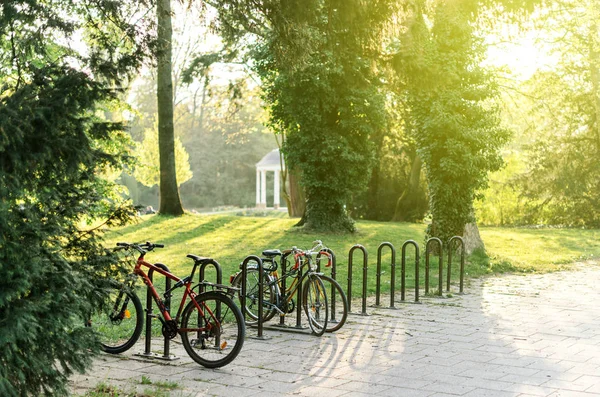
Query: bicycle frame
(186, 282)
(290, 291)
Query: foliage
(223, 135)
(455, 125)
(563, 173)
(54, 147)
(501, 203)
(147, 171)
(317, 61)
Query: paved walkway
(516, 335)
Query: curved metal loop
(441, 264)
(364, 286)
(201, 272)
(333, 261)
(393, 271)
(403, 270)
(462, 261)
(260, 290)
(149, 316)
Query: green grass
(230, 238)
(540, 250)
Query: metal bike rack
(364, 286)
(403, 270)
(216, 265)
(206, 262)
(149, 300)
(393, 275)
(462, 261)
(260, 291)
(441, 264)
(333, 274)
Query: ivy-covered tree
(318, 64)
(54, 149)
(449, 98)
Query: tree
(563, 171)
(317, 61)
(148, 170)
(170, 202)
(449, 99)
(54, 147)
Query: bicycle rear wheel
(252, 285)
(119, 322)
(213, 336)
(314, 301)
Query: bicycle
(277, 302)
(211, 325)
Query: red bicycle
(211, 325)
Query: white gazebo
(268, 163)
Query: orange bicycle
(211, 325)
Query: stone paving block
(524, 379)
(363, 387)
(568, 393)
(315, 391)
(228, 391)
(586, 369)
(491, 393)
(531, 389)
(404, 392)
(448, 388)
(482, 374)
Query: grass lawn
(230, 238)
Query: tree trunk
(411, 205)
(170, 202)
(297, 196)
(472, 238)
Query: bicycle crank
(170, 329)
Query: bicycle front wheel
(314, 301)
(338, 304)
(212, 332)
(119, 322)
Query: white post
(276, 191)
(263, 189)
(257, 188)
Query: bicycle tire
(269, 295)
(338, 304)
(119, 323)
(314, 301)
(208, 346)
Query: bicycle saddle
(271, 253)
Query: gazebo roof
(270, 161)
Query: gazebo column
(276, 191)
(263, 189)
(257, 188)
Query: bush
(52, 150)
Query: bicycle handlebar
(142, 248)
(317, 248)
